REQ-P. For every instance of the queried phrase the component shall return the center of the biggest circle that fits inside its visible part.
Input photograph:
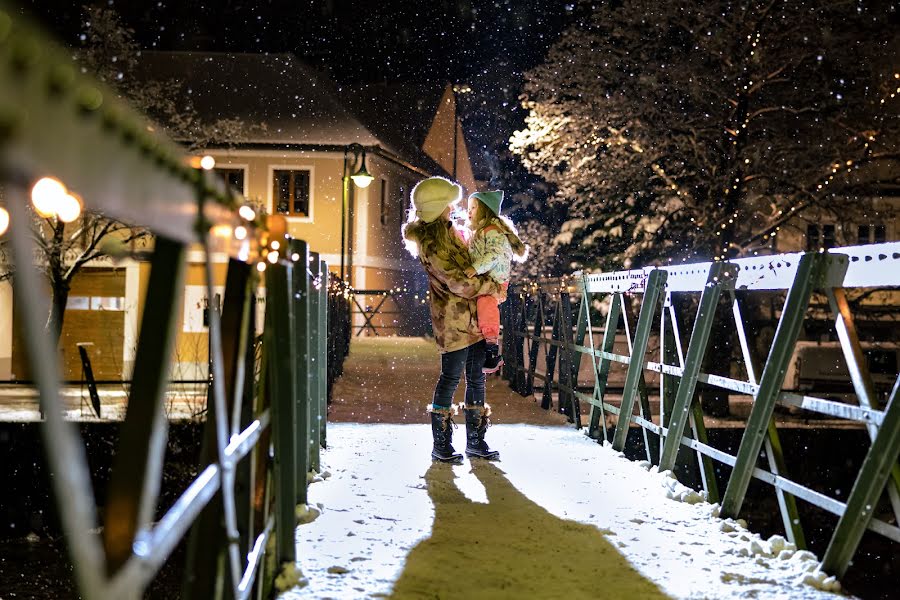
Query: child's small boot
(442, 432)
(477, 422)
(492, 358)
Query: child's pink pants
(488, 312)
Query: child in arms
(492, 247)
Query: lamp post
(361, 179)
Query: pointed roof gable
(417, 119)
(446, 143)
(398, 113)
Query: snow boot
(477, 422)
(492, 358)
(442, 431)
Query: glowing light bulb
(240, 232)
(260, 266)
(45, 196)
(4, 220)
(247, 213)
(207, 163)
(68, 208)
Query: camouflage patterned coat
(453, 298)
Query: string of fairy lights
(339, 287)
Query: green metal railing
(53, 121)
(664, 294)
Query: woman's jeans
(470, 360)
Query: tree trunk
(60, 297)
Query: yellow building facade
(296, 144)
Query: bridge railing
(56, 122)
(559, 319)
(395, 311)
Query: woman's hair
(435, 238)
(484, 217)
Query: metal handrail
(369, 314)
(49, 115)
(549, 303)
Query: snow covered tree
(690, 131)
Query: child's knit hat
(492, 200)
(431, 196)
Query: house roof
(402, 114)
(399, 113)
(297, 104)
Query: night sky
(439, 40)
(485, 44)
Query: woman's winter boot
(477, 422)
(442, 431)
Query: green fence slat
(873, 475)
(655, 283)
(312, 335)
(534, 346)
(279, 347)
(576, 357)
(787, 503)
(322, 354)
(519, 332)
(651, 440)
(706, 314)
(552, 355)
(807, 277)
(845, 326)
(598, 414)
(506, 328)
(707, 472)
(243, 483)
(300, 283)
(668, 383)
(566, 379)
(208, 568)
(137, 466)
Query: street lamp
(361, 179)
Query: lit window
(862, 234)
(812, 238)
(234, 177)
(290, 193)
(78, 303)
(828, 236)
(107, 303)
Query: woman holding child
(463, 279)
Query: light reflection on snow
(376, 508)
(468, 484)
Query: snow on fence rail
(54, 121)
(664, 291)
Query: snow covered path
(559, 517)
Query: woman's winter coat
(452, 296)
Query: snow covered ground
(559, 517)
